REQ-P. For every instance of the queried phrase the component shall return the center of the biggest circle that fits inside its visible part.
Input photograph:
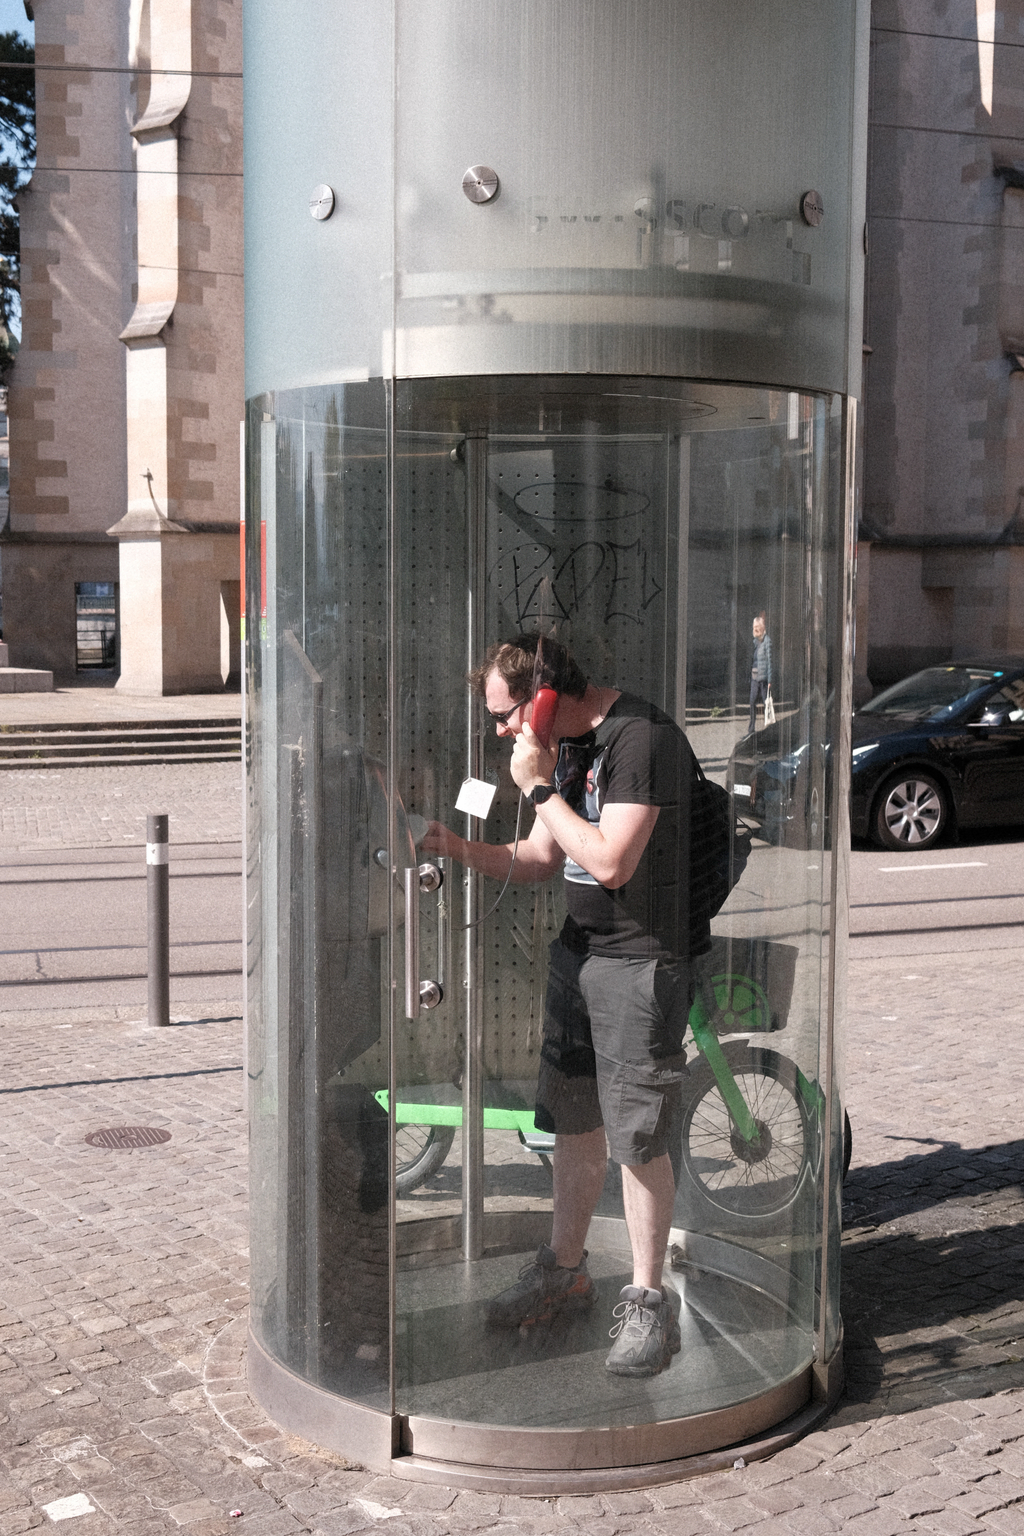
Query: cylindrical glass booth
(605, 388)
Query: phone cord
(515, 848)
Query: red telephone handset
(542, 716)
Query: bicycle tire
(726, 1182)
(419, 1152)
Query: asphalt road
(961, 897)
(73, 925)
(73, 920)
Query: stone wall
(944, 391)
(74, 475)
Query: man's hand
(441, 839)
(531, 763)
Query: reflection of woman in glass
(760, 667)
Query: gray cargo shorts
(613, 1053)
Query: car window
(932, 694)
(1007, 702)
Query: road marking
(906, 869)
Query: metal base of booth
(743, 1322)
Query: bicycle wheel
(730, 1176)
(419, 1151)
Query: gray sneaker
(647, 1333)
(543, 1289)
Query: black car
(941, 748)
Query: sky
(13, 19)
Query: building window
(96, 626)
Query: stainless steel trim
(411, 880)
(373, 1437)
(362, 1434)
(632, 1445)
(444, 926)
(842, 641)
(572, 1480)
(473, 1066)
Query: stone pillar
(146, 533)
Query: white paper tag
(476, 797)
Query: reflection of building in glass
(942, 528)
(126, 395)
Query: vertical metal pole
(842, 639)
(158, 920)
(473, 1067)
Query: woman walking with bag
(761, 673)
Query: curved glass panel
(401, 1181)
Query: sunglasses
(505, 715)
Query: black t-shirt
(636, 756)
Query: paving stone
(819, 1487)
(340, 1522)
(993, 1493)
(277, 1523)
(883, 1521)
(680, 1521)
(676, 1495)
(194, 1511)
(851, 1506)
(734, 1515)
(777, 1499)
(429, 1496)
(950, 1522)
(586, 1507)
(811, 1520)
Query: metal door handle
(419, 995)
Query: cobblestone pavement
(123, 1280)
(124, 1290)
(107, 805)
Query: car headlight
(860, 753)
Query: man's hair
(514, 661)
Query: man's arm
(538, 857)
(610, 851)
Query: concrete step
(13, 765)
(89, 743)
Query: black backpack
(719, 847)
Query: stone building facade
(127, 393)
(941, 568)
(126, 397)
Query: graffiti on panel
(583, 542)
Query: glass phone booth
(613, 396)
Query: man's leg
(648, 1195)
(755, 691)
(580, 1164)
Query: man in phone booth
(610, 778)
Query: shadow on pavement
(933, 1277)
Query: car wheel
(911, 812)
(419, 1151)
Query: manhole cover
(125, 1138)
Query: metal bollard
(158, 920)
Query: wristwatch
(541, 792)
